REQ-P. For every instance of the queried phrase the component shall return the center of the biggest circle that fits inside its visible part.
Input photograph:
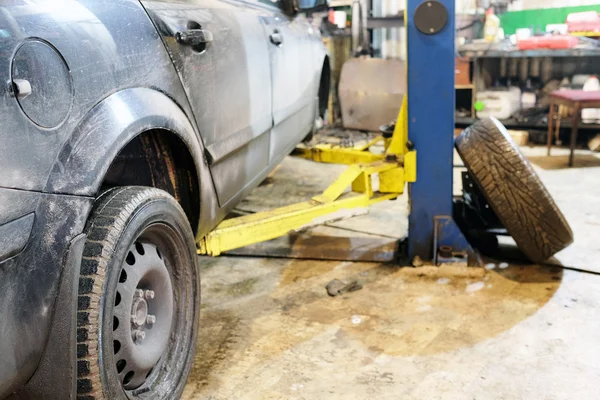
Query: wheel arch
(158, 158)
(136, 136)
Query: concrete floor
(270, 331)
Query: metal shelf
(463, 122)
(391, 21)
(588, 52)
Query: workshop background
(510, 330)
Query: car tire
(139, 297)
(513, 189)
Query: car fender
(86, 156)
(84, 159)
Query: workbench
(576, 100)
(565, 62)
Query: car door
(221, 53)
(292, 74)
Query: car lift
(425, 123)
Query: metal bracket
(449, 243)
(333, 204)
(477, 214)
(475, 217)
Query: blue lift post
(431, 98)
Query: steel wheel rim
(142, 314)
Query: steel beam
(430, 75)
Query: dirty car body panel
(227, 82)
(85, 78)
(253, 98)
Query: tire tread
(513, 190)
(109, 218)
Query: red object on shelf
(577, 95)
(560, 41)
(587, 21)
(548, 42)
(529, 43)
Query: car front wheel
(139, 297)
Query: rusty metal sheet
(370, 92)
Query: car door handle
(194, 37)
(276, 38)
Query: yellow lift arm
(395, 167)
(330, 153)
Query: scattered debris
(443, 281)
(356, 319)
(474, 287)
(337, 287)
(594, 143)
(503, 265)
(343, 265)
(490, 266)
(296, 386)
(417, 262)
(423, 299)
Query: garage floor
(508, 331)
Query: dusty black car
(130, 128)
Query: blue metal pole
(431, 128)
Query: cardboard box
(462, 70)
(521, 138)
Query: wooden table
(577, 100)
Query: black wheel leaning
(513, 189)
(139, 298)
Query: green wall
(513, 20)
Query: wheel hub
(145, 300)
(139, 312)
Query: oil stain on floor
(269, 329)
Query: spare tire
(513, 189)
